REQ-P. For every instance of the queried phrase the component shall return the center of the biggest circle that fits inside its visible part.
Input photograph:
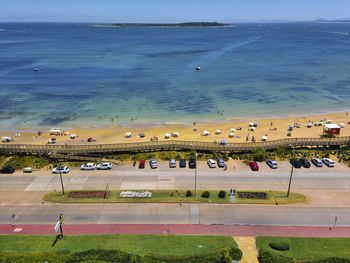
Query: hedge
(222, 255)
(280, 246)
(270, 257)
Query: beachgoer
(271, 123)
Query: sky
(158, 11)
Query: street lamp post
(59, 164)
(291, 173)
(195, 172)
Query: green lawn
(167, 245)
(309, 248)
(177, 196)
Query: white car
(328, 162)
(211, 163)
(27, 170)
(62, 169)
(88, 166)
(104, 166)
(172, 163)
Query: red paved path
(179, 229)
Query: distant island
(188, 24)
(323, 20)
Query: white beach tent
(167, 135)
(309, 125)
(251, 124)
(328, 121)
(175, 134)
(54, 131)
(128, 134)
(205, 133)
(73, 136)
(252, 128)
(264, 138)
(232, 130)
(342, 125)
(6, 139)
(231, 134)
(218, 132)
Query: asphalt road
(327, 190)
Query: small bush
(206, 194)
(267, 257)
(188, 193)
(280, 246)
(260, 154)
(222, 194)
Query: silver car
(153, 163)
(328, 162)
(172, 163)
(272, 163)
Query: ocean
(90, 76)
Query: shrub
(205, 194)
(280, 246)
(188, 193)
(260, 154)
(222, 194)
(267, 257)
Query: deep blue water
(86, 75)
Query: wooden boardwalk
(12, 148)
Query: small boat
(198, 68)
(35, 69)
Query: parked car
(328, 162)
(317, 162)
(221, 163)
(104, 166)
(192, 163)
(272, 163)
(153, 164)
(142, 164)
(254, 166)
(27, 170)
(305, 163)
(182, 163)
(211, 163)
(295, 163)
(172, 163)
(88, 166)
(61, 169)
(7, 170)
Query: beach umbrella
(251, 124)
(255, 125)
(342, 125)
(72, 136)
(264, 138)
(195, 128)
(128, 134)
(53, 139)
(309, 125)
(167, 135)
(239, 128)
(175, 134)
(231, 134)
(223, 142)
(142, 135)
(232, 130)
(217, 131)
(252, 128)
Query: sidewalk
(177, 229)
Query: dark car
(192, 163)
(7, 170)
(295, 163)
(254, 166)
(305, 163)
(221, 163)
(142, 164)
(182, 163)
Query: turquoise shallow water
(86, 76)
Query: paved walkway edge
(177, 229)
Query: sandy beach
(272, 128)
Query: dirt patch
(252, 195)
(89, 194)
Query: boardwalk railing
(166, 145)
